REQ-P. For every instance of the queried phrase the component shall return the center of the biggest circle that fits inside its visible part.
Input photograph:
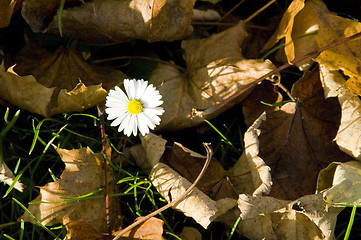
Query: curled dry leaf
(50, 83)
(216, 72)
(79, 230)
(252, 107)
(173, 180)
(8, 177)
(340, 183)
(305, 218)
(197, 205)
(6, 11)
(310, 26)
(149, 153)
(38, 13)
(96, 22)
(83, 174)
(214, 183)
(189, 233)
(152, 229)
(296, 142)
(349, 132)
(241, 177)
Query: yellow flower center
(135, 106)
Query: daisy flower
(138, 108)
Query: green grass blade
(60, 13)
(8, 237)
(222, 136)
(22, 228)
(350, 223)
(36, 220)
(10, 124)
(278, 104)
(285, 44)
(234, 228)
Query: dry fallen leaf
(172, 175)
(190, 233)
(8, 177)
(241, 177)
(340, 183)
(82, 175)
(216, 72)
(305, 218)
(252, 107)
(197, 205)
(57, 82)
(80, 230)
(96, 22)
(296, 142)
(38, 13)
(327, 27)
(215, 183)
(149, 153)
(6, 11)
(348, 134)
(152, 229)
(285, 28)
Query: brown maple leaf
(296, 142)
(96, 22)
(83, 174)
(48, 83)
(216, 72)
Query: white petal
(125, 123)
(151, 116)
(143, 124)
(152, 103)
(120, 94)
(116, 122)
(110, 102)
(115, 111)
(148, 91)
(155, 111)
(130, 128)
(135, 124)
(119, 119)
(130, 89)
(140, 88)
(126, 84)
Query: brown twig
(230, 11)
(259, 11)
(102, 132)
(207, 146)
(286, 91)
(138, 57)
(271, 73)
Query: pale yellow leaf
(6, 11)
(197, 204)
(294, 143)
(96, 22)
(346, 183)
(8, 177)
(48, 83)
(270, 218)
(348, 135)
(217, 71)
(190, 233)
(83, 174)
